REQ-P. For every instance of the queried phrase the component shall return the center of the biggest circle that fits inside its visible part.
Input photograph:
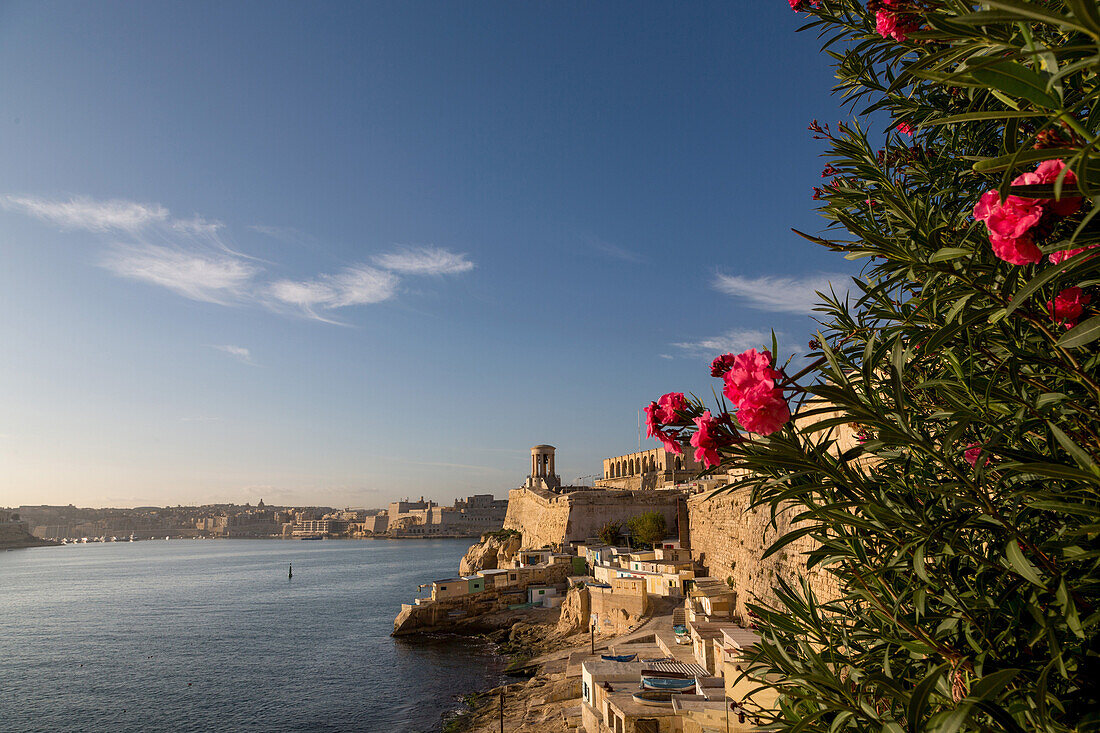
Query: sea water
(211, 635)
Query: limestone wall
(618, 609)
(728, 539)
(553, 520)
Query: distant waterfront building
(469, 517)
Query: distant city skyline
(346, 254)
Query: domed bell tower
(542, 469)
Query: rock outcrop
(575, 611)
(14, 535)
(489, 553)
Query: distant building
(650, 469)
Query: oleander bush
(961, 525)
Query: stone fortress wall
(729, 539)
(546, 519)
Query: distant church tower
(542, 469)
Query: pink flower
(721, 365)
(750, 369)
(973, 452)
(706, 441)
(1048, 172)
(894, 25)
(1019, 251)
(652, 424)
(763, 411)
(1009, 224)
(1068, 306)
(904, 128)
(670, 443)
(1060, 257)
(669, 405)
(1014, 218)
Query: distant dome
(543, 447)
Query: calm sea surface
(210, 635)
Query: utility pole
(592, 636)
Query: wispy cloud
(200, 419)
(424, 261)
(238, 352)
(354, 286)
(191, 257)
(614, 251)
(89, 214)
(736, 341)
(211, 277)
(780, 293)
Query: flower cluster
(750, 384)
(894, 18)
(1014, 223)
(665, 412)
(1068, 306)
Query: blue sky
(337, 254)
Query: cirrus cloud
(779, 293)
(424, 261)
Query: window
(584, 691)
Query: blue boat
(618, 658)
(668, 683)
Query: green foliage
(968, 594)
(648, 529)
(610, 533)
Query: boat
(618, 657)
(672, 684)
(312, 537)
(654, 698)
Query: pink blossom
(669, 405)
(721, 365)
(1009, 224)
(973, 452)
(670, 443)
(1063, 255)
(750, 369)
(1068, 306)
(1014, 218)
(904, 128)
(1019, 251)
(898, 26)
(705, 441)
(764, 411)
(652, 424)
(1048, 172)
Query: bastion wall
(553, 520)
(729, 539)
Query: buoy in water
(290, 572)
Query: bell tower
(543, 474)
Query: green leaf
(918, 701)
(1018, 81)
(1081, 334)
(982, 115)
(1032, 285)
(949, 253)
(1022, 565)
(1084, 460)
(1031, 10)
(992, 684)
(1022, 157)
